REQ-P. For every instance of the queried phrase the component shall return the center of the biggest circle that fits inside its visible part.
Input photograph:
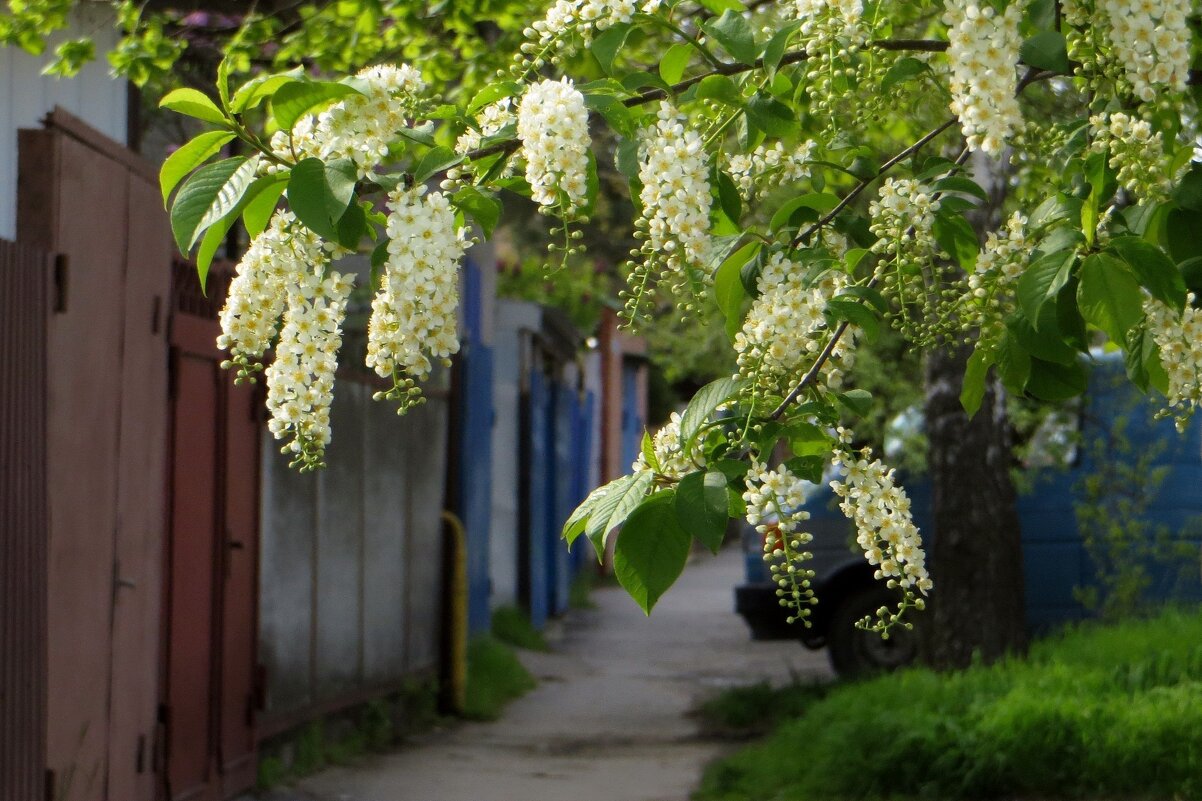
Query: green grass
(581, 589)
(1095, 713)
(756, 708)
(494, 678)
(511, 625)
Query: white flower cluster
(1152, 40)
(1136, 153)
(774, 501)
(359, 127)
(300, 380)
(1179, 338)
(1000, 264)
(585, 17)
(824, 22)
(276, 258)
(983, 54)
(671, 460)
(676, 200)
(552, 124)
(903, 216)
(413, 315)
(885, 530)
(771, 165)
(784, 328)
(491, 119)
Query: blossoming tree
(801, 246)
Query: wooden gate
(96, 206)
(211, 560)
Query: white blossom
(583, 17)
(824, 22)
(903, 216)
(360, 127)
(771, 165)
(885, 529)
(999, 266)
(1136, 153)
(1152, 42)
(491, 119)
(1179, 339)
(413, 319)
(670, 459)
(983, 51)
(552, 124)
(774, 500)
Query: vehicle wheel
(854, 652)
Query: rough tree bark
(975, 555)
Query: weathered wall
(351, 568)
(26, 96)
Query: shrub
(511, 625)
(494, 678)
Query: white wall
(26, 96)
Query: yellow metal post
(456, 595)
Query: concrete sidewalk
(609, 720)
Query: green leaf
(728, 196)
(1042, 280)
(771, 116)
(956, 236)
(903, 70)
(1056, 382)
(205, 253)
(1154, 269)
(295, 99)
(960, 184)
(821, 202)
(651, 551)
(718, 6)
(1188, 193)
(313, 200)
(1181, 234)
(606, 46)
(674, 62)
(703, 404)
(351, 227)
(1046, 50)
(614, 505)
(483, 208)
(807, 439)
(722, 89)
(435, 161)
(856, 401)
(197, 196)
(616, 113)
(972, 391)
(423, 135)
(733, 32)
(774, 51)
(857, 314)
(701, 507)
(728, 286)
(193, 103)
(1013, 363)
(252, 93)
(869, 295)
(189, 157)
(1048, 343)
(259, 207)
(1109, 296)
(492, 93)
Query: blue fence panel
(475, 448)
(536, 464)
(632, 421)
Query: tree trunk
(975, 554)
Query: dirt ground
(610, 719)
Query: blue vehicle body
(1055, 560)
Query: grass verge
(511, 625)
(1096, 712)
(756, 709)
(494, 678)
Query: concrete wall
(26, 96)
(351, 569)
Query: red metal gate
(209, 598)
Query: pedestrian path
(610, 718)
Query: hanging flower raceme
(903, 217)
(300, 380)
(991, 285)
(674, 171)
(552, 124)
(360, 127)
(1136, 153)
(670, 459)
(827, 22)
(983, 47)
(774, 501)
(771, 165)
(885, 529)
(1179, 339)
(413, 319)
(276, 259)
(491, 119)
(785, 327)
(1152, 42)
(585, 18)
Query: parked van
(1112, 430)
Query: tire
(856, 653)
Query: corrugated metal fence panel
(23, 520)
(536, 458)
(350, 575)
(560, 492)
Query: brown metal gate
(209, 597)
(24, 284)
(96, 206)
